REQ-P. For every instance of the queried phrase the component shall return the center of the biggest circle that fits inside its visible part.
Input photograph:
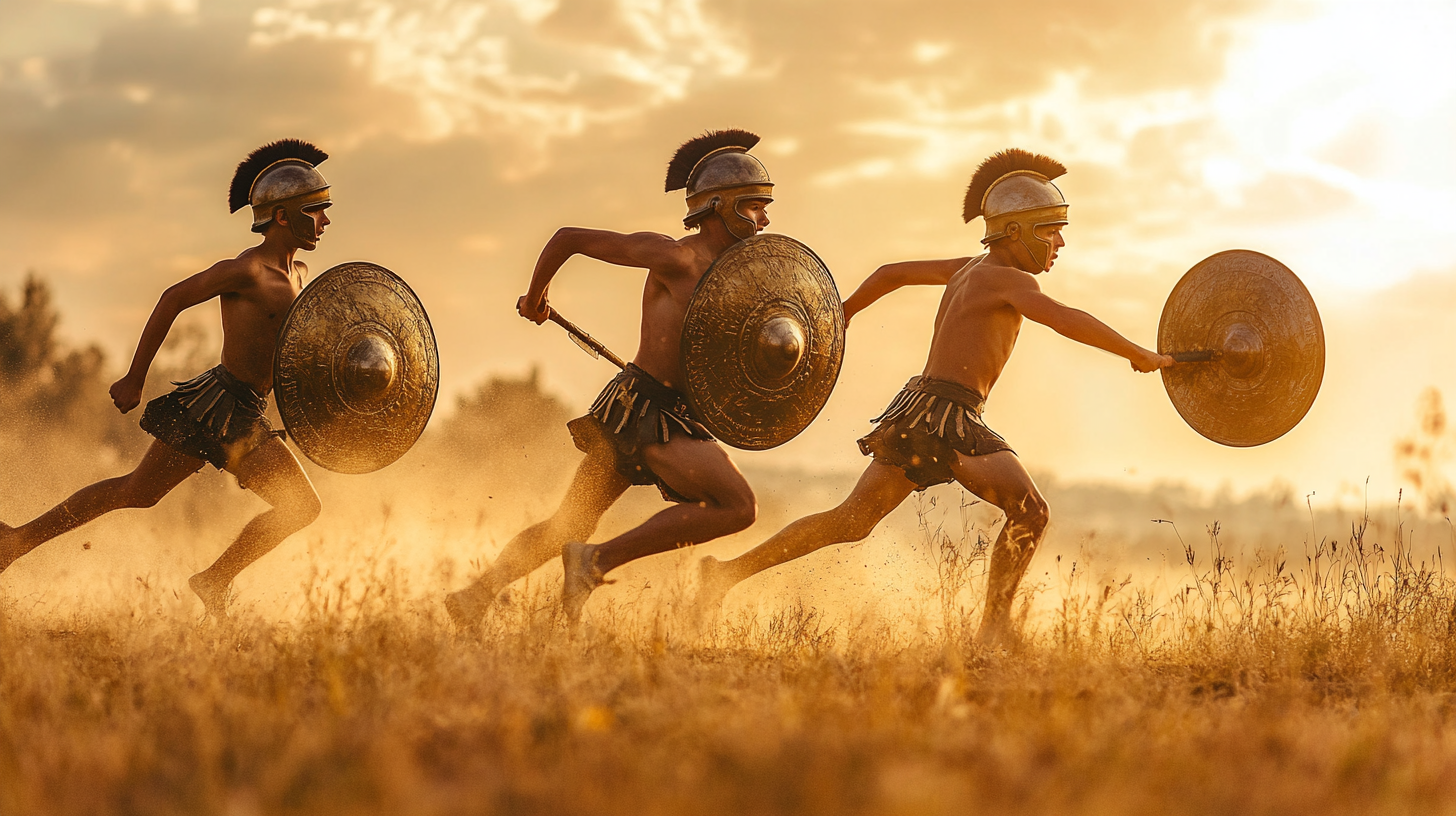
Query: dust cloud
(498, 458)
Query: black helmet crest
(260, 159)
(997, 166)
(694, 150)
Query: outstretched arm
(221, 278)
(1028, 299)
(639, 249)
(890, 277)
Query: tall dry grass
(1236, 677)
(1314, 682)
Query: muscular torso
(975, 328)
(252, 314)
(665, 298)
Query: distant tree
(27, 333)
(502, 418)
(47, 390)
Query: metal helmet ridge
(718, 174)
(281, 174)
(1015, 187)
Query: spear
(588, 343)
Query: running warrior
(217, 417)
(640, 430)
(932, 432)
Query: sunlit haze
(463, 134)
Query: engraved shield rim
(1198, 403)
(421, 411)
(710, 408)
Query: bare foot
(214, 597)
(579, 563)
(466, 609)
(714, 582)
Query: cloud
(533, 68)
(115, 154)
(464, 133)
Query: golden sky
(463, 134)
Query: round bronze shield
(356, 370)
(762, 342)
(1258, 345)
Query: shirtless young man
(640, 430)
(217, 417)
(932, 432)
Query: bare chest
(259, 308)
(665, 300)
(969, 308)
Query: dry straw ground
(1227, 676)
(1318, 687)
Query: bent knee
(305, 510)
(848, 522)
(1032, 512)
(856, 528)
(140, 496)
(741, 510)
(311, 510)
(746, 513)
(142, 500)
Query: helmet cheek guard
(1041, 248)
(1015, 187)
(300, 216)
(296, 186)
(726, 203)
(1029, 222)
(718, 175)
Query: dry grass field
(1288, 658)
(1322, 684)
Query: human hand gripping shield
(1249, 348)
(762, 342)
(357, 370)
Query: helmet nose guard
(718, 174)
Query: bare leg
(1000, 479)
(880, 489)
(161, 469)
(274, 475)
(596, 486)
(722, 503)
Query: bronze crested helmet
(1015, 186)
(281, 174)
(718, 174)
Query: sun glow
(1360, 100)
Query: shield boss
(762, 342)
(1266, 342)
(356, 370)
